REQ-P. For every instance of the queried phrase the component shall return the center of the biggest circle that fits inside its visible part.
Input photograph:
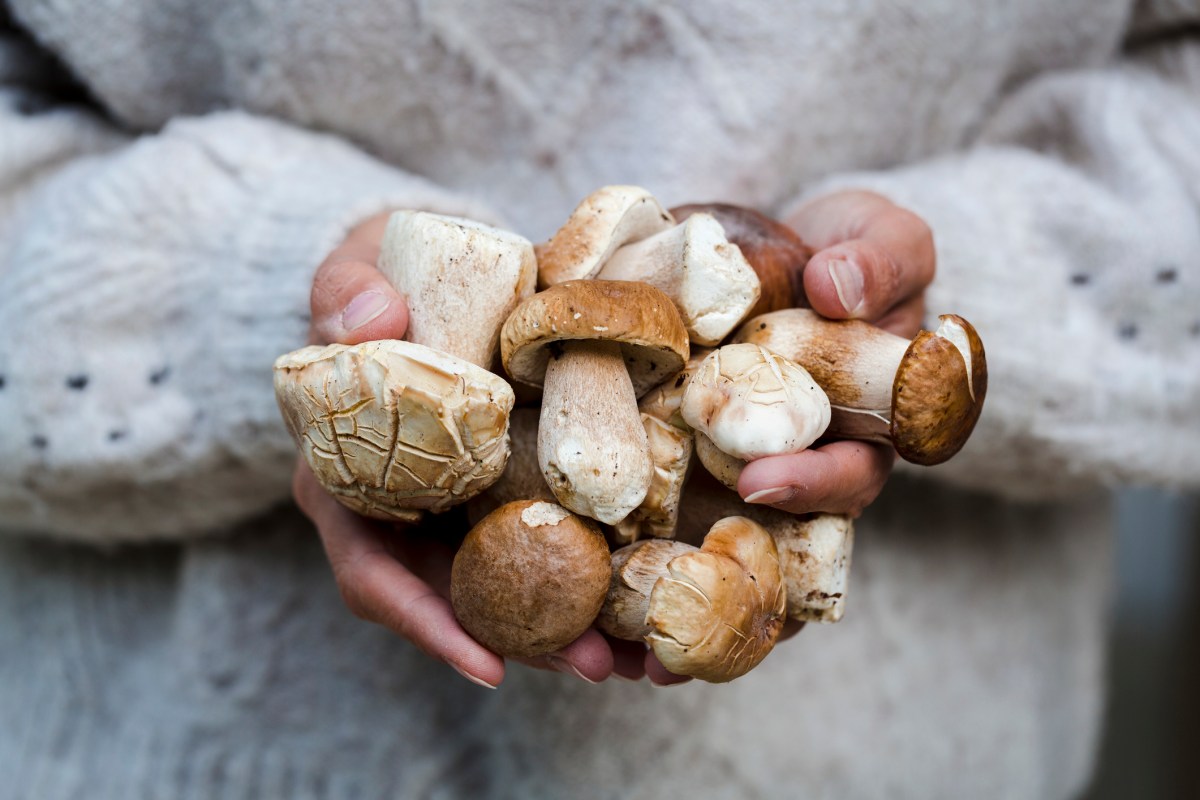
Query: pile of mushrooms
(634, 341)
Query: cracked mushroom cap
(939, 390)
(607, 219)
(391, 428)
(718, 611)
(754, 403)
(530, 578)
(643, 320)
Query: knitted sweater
(157, 244)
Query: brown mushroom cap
(719, 611)
(939, 391)
(653, 339)
(635, 570)
(773, 249)
(530, 578)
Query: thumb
(351, 300)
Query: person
(166, 200)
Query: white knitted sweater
(157, 245)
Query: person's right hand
(400, 577)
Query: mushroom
(608, 218)
(706, 277)
(712, 613)
(722, 466)
(670, 456)
(596, 346)
(753, 403)
(923, 396)
(391, 427)
(529, 579)
(454, 270)
(662, 402)
(814, 549)
(777, 254)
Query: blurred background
(1151, 742)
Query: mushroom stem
(592, 447)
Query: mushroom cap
(719, 611)
(530, 578)
(775, 252)
(653, 339)
(754, 403)
(605, 220)
(635, 570)
(938, 393)
(452, 269)
(391, 428)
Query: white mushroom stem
(592, 447)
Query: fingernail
(472, 678)
(769, 497)
(848, 282)
(566, 667)
(364, 308)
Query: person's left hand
(873, 261)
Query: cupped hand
(873, 261)
(400, 577)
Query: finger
(379, 589)
(841, 477)
(660, 675)
(351, 300)
(871, 254)
(588, 658)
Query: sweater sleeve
(146, 285)
(1070, 235)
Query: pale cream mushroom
(775, 251)
(460, 278)
(529, 579)
(391, 428)
(923, 396)
(705, 275)
(814, 549)
(595, 345)
(753, 403)
(663, 401)
(713, 613)
(670, 455)
(607, 219)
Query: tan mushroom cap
(939, 391)
(635, 570)
(719, 611)
(605, 220)
(643, 320)
(777, 254)
(391, 428)
(530, 578)
(722, 466)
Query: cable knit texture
(157, 247)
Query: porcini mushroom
(777, 254)
(753, 403)
(713, 613)
(391, 428)
(529, 579)
(706, 277)
(595, 345)
(722, 466)
(607, 219)
(670, 456)
(814, 549)
(923, 396)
